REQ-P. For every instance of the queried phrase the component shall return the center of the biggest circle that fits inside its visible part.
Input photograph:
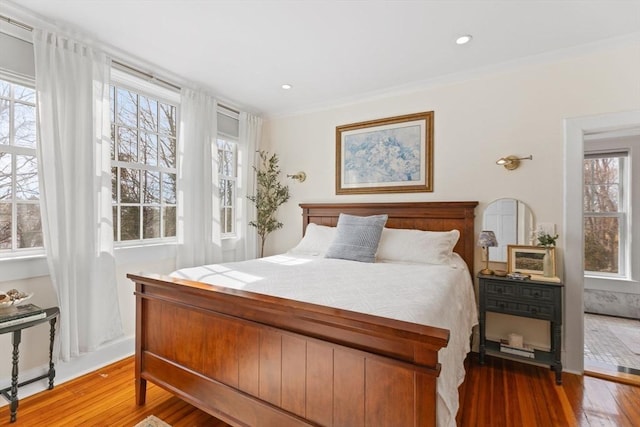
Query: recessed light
(464, 39)
(286, 86)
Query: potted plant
(270, 194)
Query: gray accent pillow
(357, 237)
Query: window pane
(27, 178)
(223, 187)
(228, 220)
(127, 145)
(127, 108)
(25, 94)
(115, 224)
(29, 226)
(228, 163)
(148, 114)
(129, 185)
(5, 89)
(169, 188)
(149, 149)
(5, 176)
(151, 187)
(5, 225)
(130, 220)
(25, 125)
(151, 220)
(4, 121)
(169, 221)
(167, 152)
(113, 142)
(167, 119)
(112, 104)
(601, 244)
(114, 185)
(602, 184)
(228, 201)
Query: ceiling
(331, 52)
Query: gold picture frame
(391, 155)
(528, 259)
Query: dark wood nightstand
(525, 298)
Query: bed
(254, 359)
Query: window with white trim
(20, 221)
(606, 204)
(143, 160)
(227, 175)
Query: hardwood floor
(500, 393)
(104, 398)
(507, 393)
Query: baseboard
(66, 371)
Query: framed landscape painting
(528, 259)
(392, 155)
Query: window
(605, 213)
(20, 222)
(143, 153)
(227, 167)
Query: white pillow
(417, 246)
(316, 240)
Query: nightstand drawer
(541, 311)
(519, 308)
(536, 293)
(501, 289)
(500, 305)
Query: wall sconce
(512, 162)
(300, 176)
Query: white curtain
(72, 84)
(198, 189)
(250, 133)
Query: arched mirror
(512, 222)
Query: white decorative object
(516, 340)
(547, 263)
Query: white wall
(518, 110)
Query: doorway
(611, 252)
(574, 277)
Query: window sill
(24, 267)
(144, 253)
(30, 266)
(611, 284)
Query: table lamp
(487, 239)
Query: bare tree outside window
(20, 221)
(143, 154)
(227, 174)
(604, 213)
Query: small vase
(547, 263)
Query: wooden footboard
(251, 359)
(257, 360)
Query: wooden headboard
(432, 216)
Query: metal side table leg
(17, 336)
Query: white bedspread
(433, 295)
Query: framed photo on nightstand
(529, 259)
